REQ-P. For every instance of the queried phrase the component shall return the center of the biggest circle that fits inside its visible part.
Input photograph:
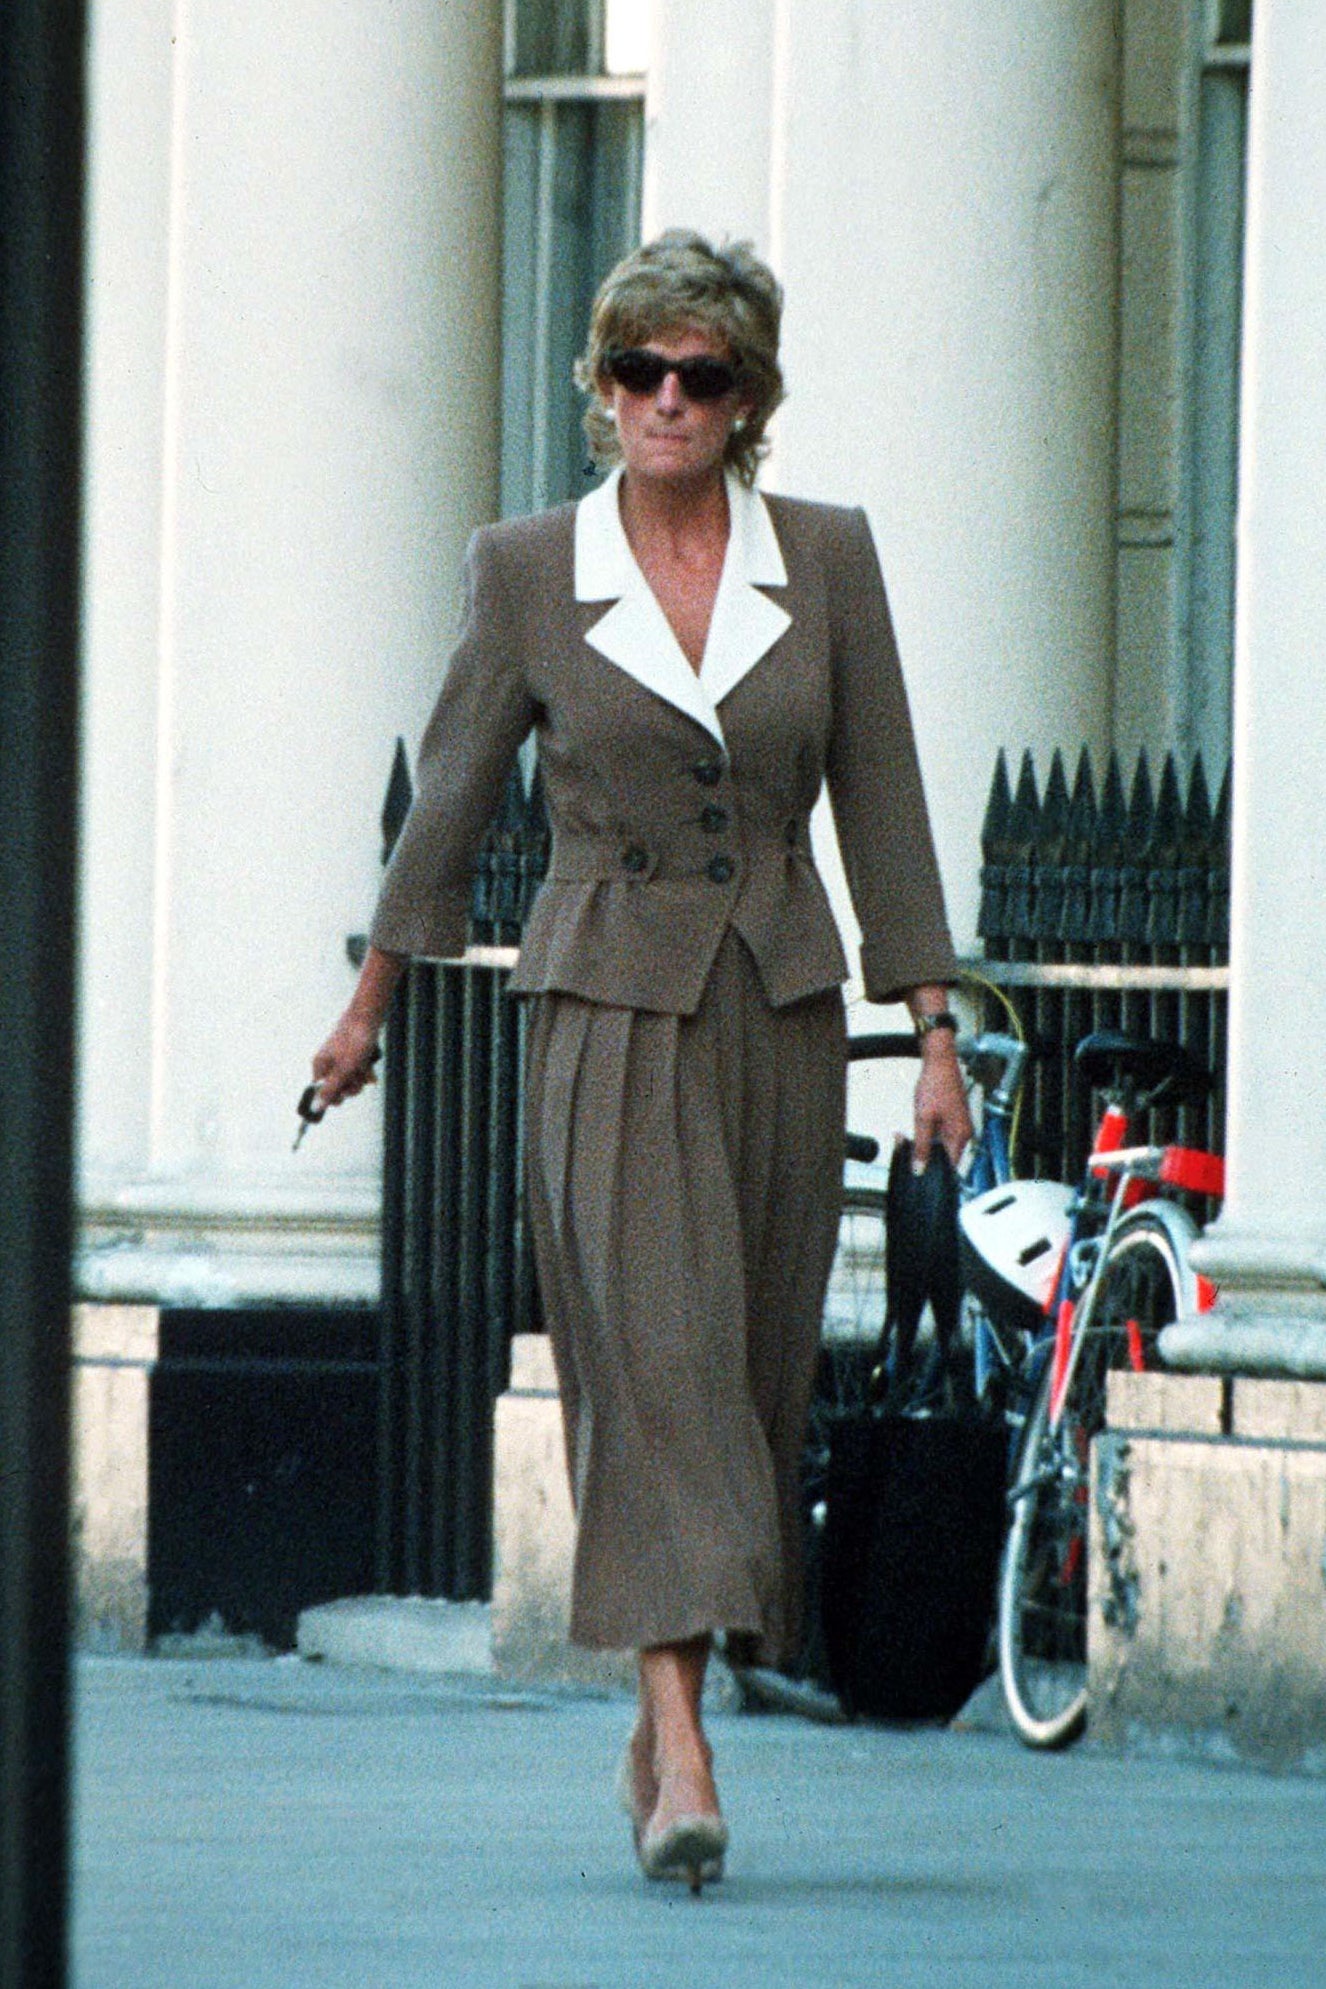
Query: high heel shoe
(690, 1847)
(626, 1795)
(660, 1862)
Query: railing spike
(1026, 807)
(1195, 856)
(1165, 852)
(397, 800)
(1079, 832)
(998, 808)
(1167, 820)
(1082, 808)
(1106, 856)
(1048, 887)
(1023, 825)
(1112, 815)
(1197, 814)
(1218, 926)
(1133, 908)
(1055, 804)
(995, 855)
(1224, 803)
(1141, 807)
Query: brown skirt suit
(684, 1101)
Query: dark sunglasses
(643, 372)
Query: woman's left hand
(941, 1101)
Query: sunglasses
(643, 372)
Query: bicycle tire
(1043, 1578)
(854, 1303)
(850, 1328)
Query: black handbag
(912, 1536)
(915, 1503)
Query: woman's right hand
(344, 1064)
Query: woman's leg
(669, 1743)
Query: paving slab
(276, 1824)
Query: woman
(696, 661)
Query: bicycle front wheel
(854, 1306)
(1043, 1581)
(850, 1329)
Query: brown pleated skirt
(685, 1181)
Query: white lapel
(745, 624)
(635, 633)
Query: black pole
(41, 204)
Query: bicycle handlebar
(890, 1043)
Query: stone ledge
(216, 1279)
(412, 1633)
(1289, 1348)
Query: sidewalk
(274, 1824)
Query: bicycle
(1124, 1274)
(1059, 1286)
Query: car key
(310, 1108)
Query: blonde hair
(677, 282)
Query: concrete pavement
(275, 1824)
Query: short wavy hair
(675, 283)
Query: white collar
(635, 634)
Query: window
(574, 134)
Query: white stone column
(709, 118)
(1268, 1249)
(294, 429)
(948, 240)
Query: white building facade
(1018, 330)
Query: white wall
(294, 369)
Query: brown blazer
(671, 824)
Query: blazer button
(791, 834)
(708, 772)
(713, 818)
(721, 869)
(635, 859)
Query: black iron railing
(1106, 908)
(457, 1270)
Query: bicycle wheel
(852, 1321)
(854, 1305)
(1043, 1581)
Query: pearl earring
(609, 413)
(738, 426)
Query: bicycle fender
(1182, 1232)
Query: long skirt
(685, 1182)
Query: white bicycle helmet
(1012, 1240)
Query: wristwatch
(942, 1018)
